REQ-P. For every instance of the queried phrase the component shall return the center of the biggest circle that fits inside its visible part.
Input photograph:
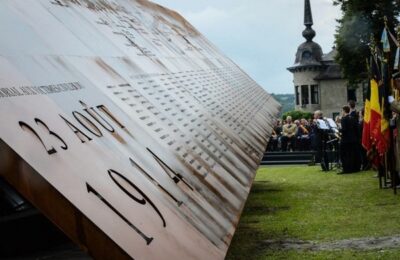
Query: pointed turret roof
(308, 20)
(309, 53)
(308, 33)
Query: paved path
(368, 243)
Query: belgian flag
(379, 111)
(372, 115)
(366, 134)
(375, 108)
(379, 125)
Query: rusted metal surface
(55, 207)
(135, 118)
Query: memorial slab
(135, 118)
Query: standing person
(349, 149)
(288, 134)
(353, 111)
(318, 142)
(356, 116)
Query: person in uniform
(349, 143)
(288, 134)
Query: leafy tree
(297, 115)
(360, 19)
(286, 100)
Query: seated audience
(303, 135)
(275, 137)
(288, 134)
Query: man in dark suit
(349, 150)
(356, 115)
(318, 142)
(353, 112)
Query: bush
(297, 115)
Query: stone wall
(334, 96)
(332, 93)
(305, 78)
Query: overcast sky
(261, 36)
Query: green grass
(308, 204)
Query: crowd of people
(308, 135)
(291, 136)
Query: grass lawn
(305, 203)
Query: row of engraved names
(39, 90)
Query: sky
(261, 36)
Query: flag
(379, 125)
(385, 41)
(384, 88)
(372, 126)
(366, 134)
(380, 87)
(397, 59)
(375, 109)
(375, 113)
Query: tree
(296, 115)
(287, 102)
(360, 20)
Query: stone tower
(307, 67)
(317, 78)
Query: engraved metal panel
(136, 118)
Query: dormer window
(306, 55)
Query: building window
(351, 94)
(314, 94)
(304, 95)
(306, 55)
(296, 88)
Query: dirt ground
(352, 244)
